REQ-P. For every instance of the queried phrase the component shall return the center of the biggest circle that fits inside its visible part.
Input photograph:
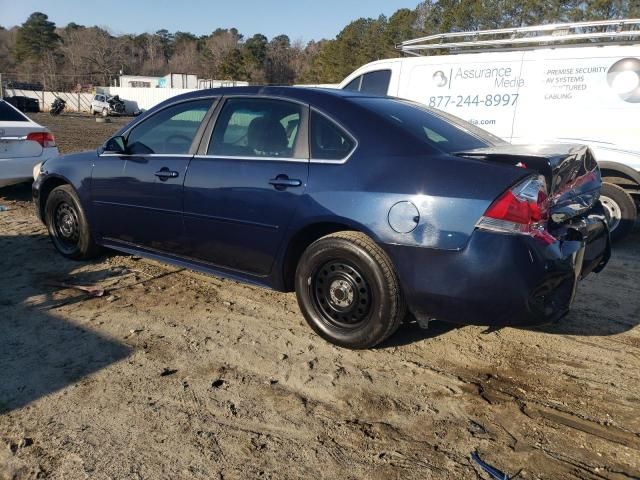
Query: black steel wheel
(348, 291)
(67, 224)
(67, 229)
(341, 294)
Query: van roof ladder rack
(577, 34)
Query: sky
(300, 19)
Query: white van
(585, 94)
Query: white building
(171, 80)
(176, 80)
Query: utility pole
(1, 88)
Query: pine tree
(35, 38)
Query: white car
(100, 105)
(107, 105)
(23, 145)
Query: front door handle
(164, 173)
(281, 182)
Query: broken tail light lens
(45, 139)
(523, 209)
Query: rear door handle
(282, 182)
(164, 173)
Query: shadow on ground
(16, 193)
(411, 332)
(41, 353)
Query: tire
(348, 291)
(105, 112)
(68, 226)
(620, 208)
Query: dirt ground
(172, 374)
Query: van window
(354, 85)
(443, 132)
(376, 83)
(328, 141)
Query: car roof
(304, 94)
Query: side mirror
(116, 145)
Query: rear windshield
(10, 114)
(439, 129)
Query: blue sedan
(373, 209)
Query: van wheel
(348, 291)
(68, 226)
(621, 210)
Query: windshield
(440, 130)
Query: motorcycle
(57, 106)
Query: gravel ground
(172, 374)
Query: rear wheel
(620, 208)
(348, 291)
(68, 226)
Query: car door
(137, 195)
(241, 192)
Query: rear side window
(10, 114)
(328, 141)
(170, 131)
(376, 83)
(254, 127)
(443, 132)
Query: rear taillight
(45, 139)
(524, 209)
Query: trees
(278, 68)
(7, 42)
(36, 38)
(84, 54)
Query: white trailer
(577, 83)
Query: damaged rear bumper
(500, 279)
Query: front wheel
(68, 226)
(104, 112)
(348, 291)
(620, 208)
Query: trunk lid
(13, 140)
(571, 172)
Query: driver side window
(170, 131)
